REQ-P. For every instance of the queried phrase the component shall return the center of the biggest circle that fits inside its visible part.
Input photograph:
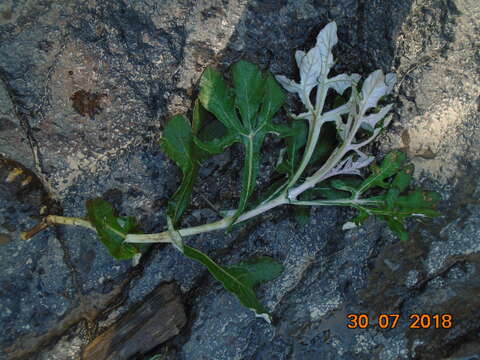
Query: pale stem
(217, 225)
(336, 156)
(339, 202)
(56, 220)
(313, 134)
(286, 197)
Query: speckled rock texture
(85, 88)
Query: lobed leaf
(218, 98)
(240, 279)
(389, 167)
(397, 207)
(294, 144)
(251, 165)
(392, 205)
(111, 229)
(178, 142)
(249, 88)
(375, 86)
(257, 98)
(314, 66)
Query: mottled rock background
(85, 88)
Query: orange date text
(390, 321)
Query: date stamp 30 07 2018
(390, 321)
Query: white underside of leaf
(349, 225)
(263, 316)
(314, 66)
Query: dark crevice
(23, 114)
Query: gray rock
(36, 284)
(14, 143)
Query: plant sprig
(322, 163)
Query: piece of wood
(155, 321)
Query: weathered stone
(36, 285)
(156, 320)
(14, 143)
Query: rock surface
(85, 87)
(156, 320)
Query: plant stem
(55, 220)
(338, 202)
(313, 133)
(334, 158)
(286, 197)
(217, 225)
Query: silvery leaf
(334, 114)
(341, 128)
(289, 85)
(390, 80)
(326, 40)
(348, 166)
(299, 54)
(373, 89)
(349, 225)
(318, 60)
(355, 79)
(314, 65)
(369, 122)
(340, 83)
(303, 116)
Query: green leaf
(180, 200)
(327, 141)
(390, 165)
(343, 185)
(403, 178)
(205, 126)
(218, 145)
(294, 144)
(361, 217)
(327, 192)
(273, 99)
(335, 189)
(111, 229)
(251, 165)
(391, 205)
(177, 142)
(199, 116)
(249, 89)
(257, 98)
(400, 182)
(240, 279)
(398, 229)
(419, 200)
(218, 98)
(391, 198)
